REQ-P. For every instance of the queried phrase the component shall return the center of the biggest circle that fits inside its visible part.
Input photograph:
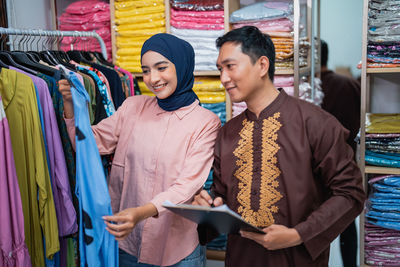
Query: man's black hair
(254, 43)
(324, 53)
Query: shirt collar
(270, 109)
(182, 112)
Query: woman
(163, 149)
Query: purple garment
(66, 214)
(13, 250)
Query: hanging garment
(66, 215)
(97, 246)
(20, 105)
(13, 250)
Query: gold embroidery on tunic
(269, 172)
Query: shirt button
(256, 125)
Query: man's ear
(264, 65)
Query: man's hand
(204, 199)
(275, 237)
(121, 224)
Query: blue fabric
(97, 246)
(196, 259)
(180, 53)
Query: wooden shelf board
(284, 72)
(382, 170)
(303, 71)
(383, 70)
(218, 255)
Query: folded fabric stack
(382, 227)
(382, 141)
(86, 16)
(275, 19)
(136, 21)
(200, 23)
(383, 34)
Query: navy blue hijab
(180, 53)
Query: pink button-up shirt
(159, 156)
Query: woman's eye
(162, 68)
(145, 71)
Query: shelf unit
(366, 75)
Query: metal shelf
(382, 170)
(383, 70)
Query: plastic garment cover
(258, 11)
(197, 5)
(97, 246)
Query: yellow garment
(131, 51)
(133, 59)
(139, 11)
(211, 97)
(142, 33)
(129, 66)
(145, 25)
(136, 4)
(19, 99)
(382, 123)
(208, 84)
(140, 18)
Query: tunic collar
(270, 109)
(180, 113)
(7, 85)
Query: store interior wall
(343, 37)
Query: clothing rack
(46, 33)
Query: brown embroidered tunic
(291, 166)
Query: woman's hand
(275, 237)
(121, 224)
(65, 89)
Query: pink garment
(283, 80)
(198, 20)
(103, 17)
(131, 83)
(13, 250)
(197, 14)
(282, 24)
(195, 25)
(85, 6)
(159, 156)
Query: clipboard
(221, 218)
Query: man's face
(238, 75)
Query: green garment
(90, 90)
(19, 99)
(382, 123)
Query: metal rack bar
(34, 32)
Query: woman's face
(159, 74)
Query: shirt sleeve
(333, 164)
(106, 132)
(196, 169)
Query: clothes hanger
(101, 59)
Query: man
(283, 164)
(342, 100)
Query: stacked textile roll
(200, 23)
(382, 227)
(86, 16)
(383, 34)
(136, 21)
(382, 141)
